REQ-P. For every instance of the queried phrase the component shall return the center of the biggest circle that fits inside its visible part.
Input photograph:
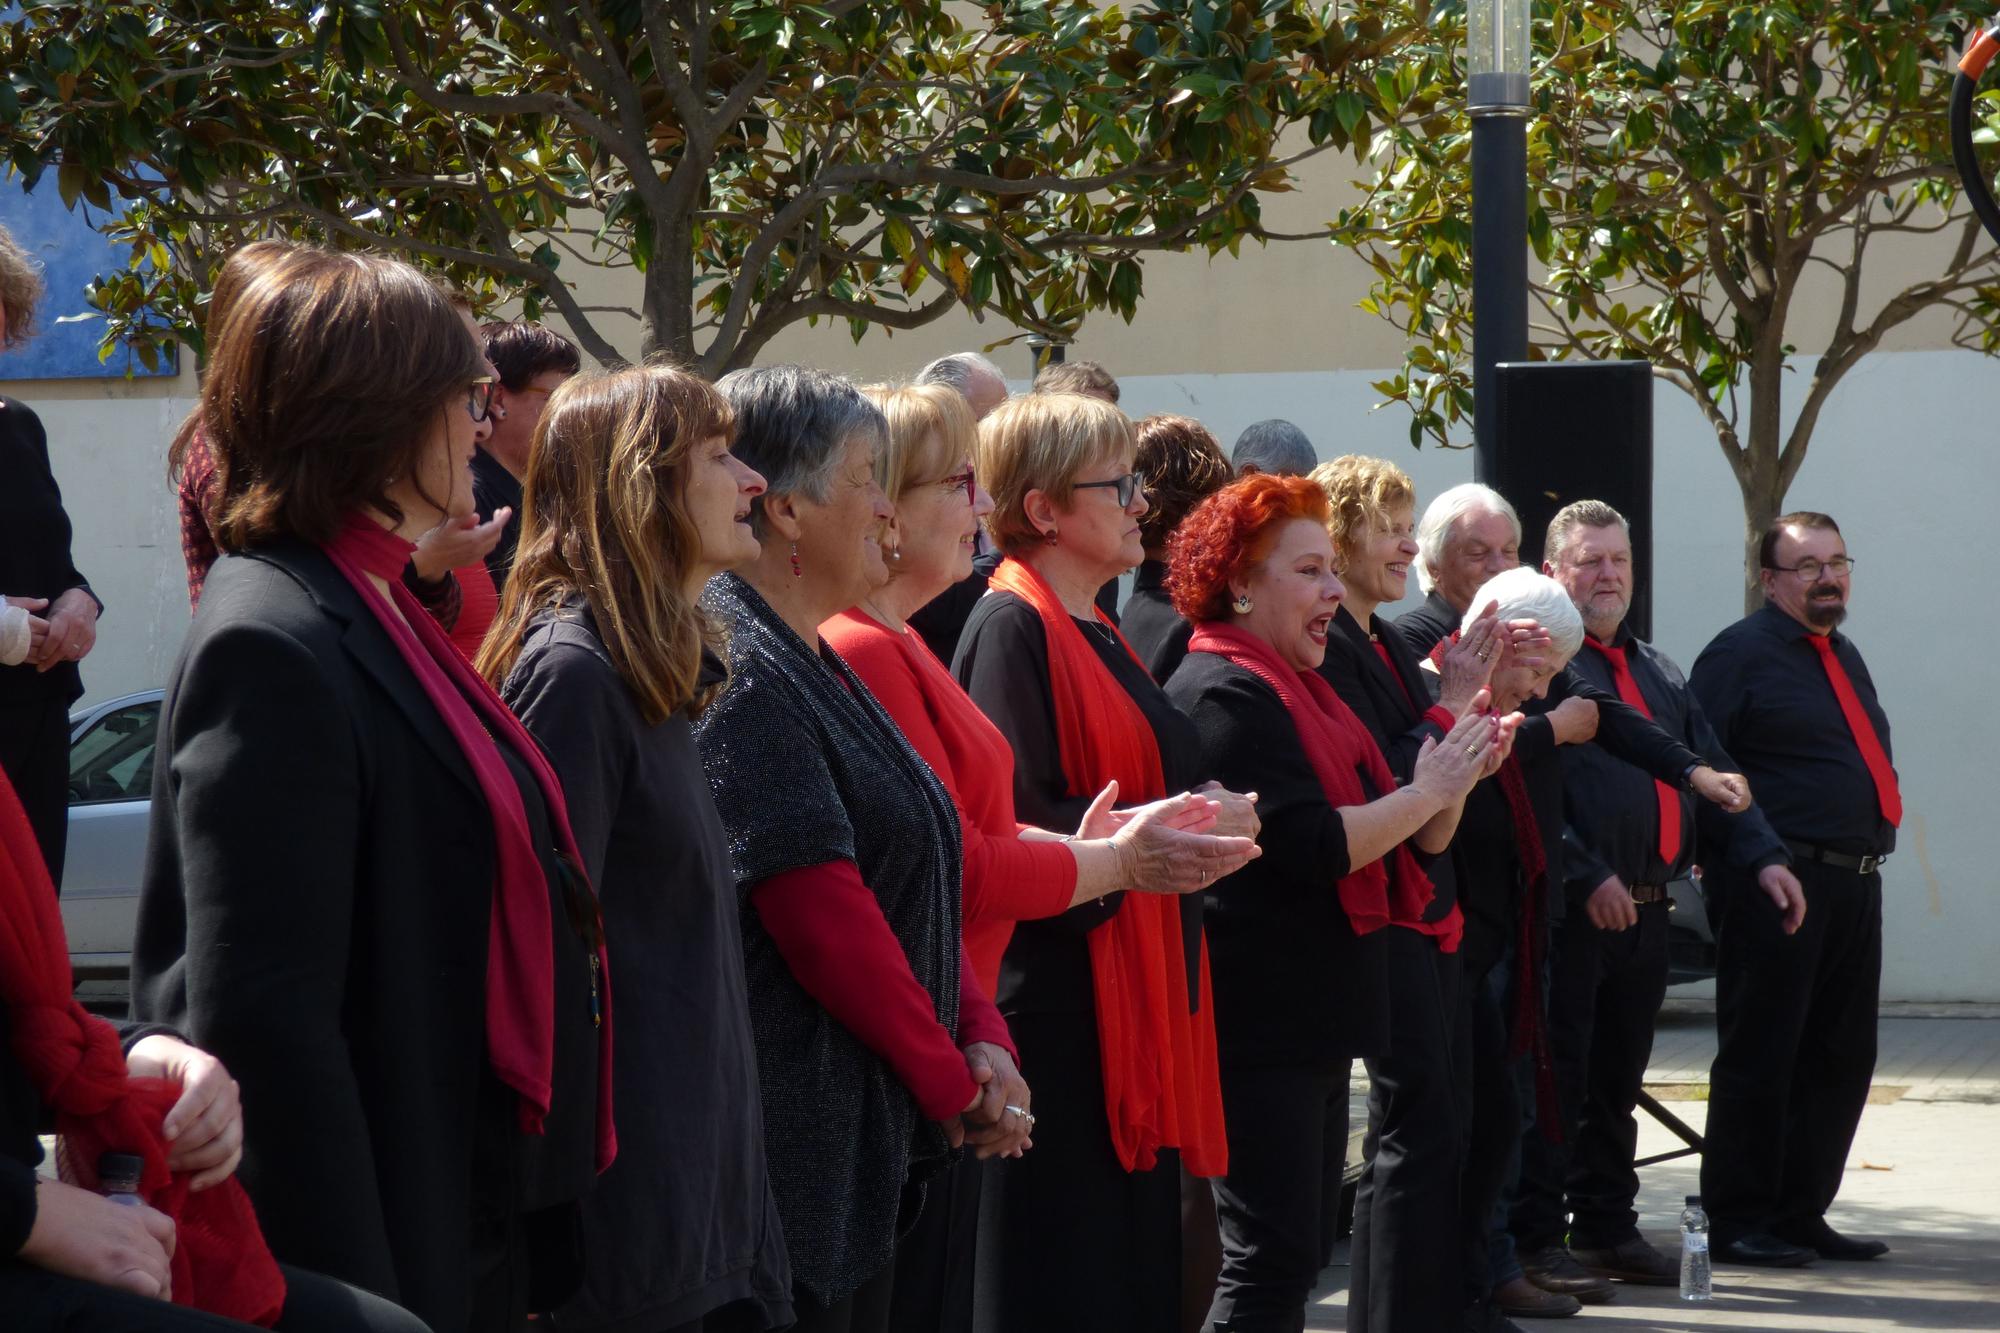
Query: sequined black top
(808, 769)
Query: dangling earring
(797, 573)
(1244, 605)
(1049, 537)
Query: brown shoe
(1523, 1299)
(1632, 1260)
(1552, 1269)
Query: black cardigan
(317, 894)
(1293, 982)
(684, 1222)
(1152, 626)
(34, 547)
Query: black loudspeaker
(1580, 430)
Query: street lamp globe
(1496, 54)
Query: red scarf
(1530, 1034)
(221, 1263)
(1161, 1089)
(1393, 891)
(520, 970)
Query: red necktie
(1670, 800)
(1872, 754)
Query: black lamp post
(1497, 100)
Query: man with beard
(1791, 699)
(1626, 836)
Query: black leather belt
(1860, 865)
(1647, 893)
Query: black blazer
(34, 548)
(315, 907)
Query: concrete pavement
(1924, 1175)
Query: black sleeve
(1750, 840)
(1716, 684)
(576, 707)
(1626, 733)
(1003, 664)
(1249, 743)
(17, 1205)
(443, 598)
(257, 814)
(1583, 872)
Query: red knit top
(1006, 879)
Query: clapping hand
(1469, 662)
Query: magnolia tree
(750, 164)
(1695, 170)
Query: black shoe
(1631, 1260)
(1827, 1243)
(1553, 1269)
(1760, 1249)
(1523, 1299)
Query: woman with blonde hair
(633, 502)
(1109, 1001)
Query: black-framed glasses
(1810, 570)
(961, 481)
(1125, 487)
(479, 398)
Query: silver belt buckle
(1870, 864)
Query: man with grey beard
(1795, 1012)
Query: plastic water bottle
(118, 1175)
(1697, 1280)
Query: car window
(113, 761)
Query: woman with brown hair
(1109, 1001)
(1182, 463)
(361, 891)
(633, 501)
(48, 614)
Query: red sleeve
(1440, 717)
(978, 1017)
(830, 932)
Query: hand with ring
(998, 1124)
(1469, 664)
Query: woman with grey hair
(55, 612)
(874, 1046)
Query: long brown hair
(330, 373)
(244, 263)
(603, 519)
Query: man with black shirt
(532, 363)
(1468, 534)
(1626, 836)
(1790, 697)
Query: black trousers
(1605, 990)
(1795, 1018)
(1271, 1207)
(1405, 1271)
(934, 1259)
(33, 1300)
(34, 754)
(1069, 1239)
(865, 1310)
(1492, 1137)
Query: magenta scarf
(520, 967)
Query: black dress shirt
(1423, 627)
(1151, 625)
(1003, 663)
(34, 546)
(494, 488)
(1612, 808)
(1767, 694)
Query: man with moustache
(1468, 534)
(1790, 697)
(1627, 835)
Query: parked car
(1690, 933)
(110, 801)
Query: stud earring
(1050, 537)
(1244, 605)
(797, 573)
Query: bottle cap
(121, 1168)
(1694, 1200)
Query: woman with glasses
(1012, 872)
(361, 890)
(1108, 1001)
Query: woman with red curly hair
(1301, 938)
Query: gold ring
(1472, 749)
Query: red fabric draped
(1161, 1089)
(1393, 891)
(1530, 1032)
(221, 1263)
(520, 968)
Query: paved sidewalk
(1924, 1175)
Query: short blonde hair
(1361, 491)
(931, 427)
(1043, 442)
(20, 290)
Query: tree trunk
(1759, 479)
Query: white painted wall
(1899, 458)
